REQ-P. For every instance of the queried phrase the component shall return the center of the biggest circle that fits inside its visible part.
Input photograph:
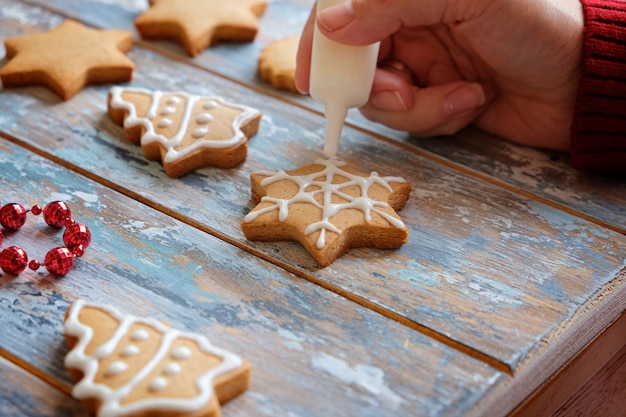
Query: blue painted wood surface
(305, 343)
(501, 255)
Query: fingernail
(390, 101)
(336, 17)
(464, 99)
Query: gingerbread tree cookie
(186, 132)
(277, 63)
(67, 58)
(129, 366)
(328, 207)
(198, 24)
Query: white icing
(168, 110)
(130, 350)
(172, 369)
(158, 384)
(204, 118)
(172, 144)
(111, 399)
(165, 122)
(198, 133)
(181, 352)
(140, 335)
(320, 182)
(209, 105)
(115, 368)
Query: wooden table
(508, 297)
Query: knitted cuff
(598, 139)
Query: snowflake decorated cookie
(129, 366)
(198, 24)
(328, 207)
(184, 131)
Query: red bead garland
(58, 261)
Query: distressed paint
(146, 263)
(484, 267)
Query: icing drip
(140, 335)
(115, 368)
(158, 384)
(172, 144)
(172, 369)
(130, 350)
(204, 118)
(321, 183)
(181, 352)
(111, 400)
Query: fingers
(361, 22)
(437, 110)
(303, 56)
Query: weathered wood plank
(314, 353)
(484, 267)
(545, 174)
(23, 395)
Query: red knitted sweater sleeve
(598, 139)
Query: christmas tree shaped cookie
(186, 132)
(129, 366)
(328, 207)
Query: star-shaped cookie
(67, 58)
(328, 207)
(277, 63)
(185, 131)
(198, 24)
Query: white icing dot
(130, 350)
(181, 352)
(165, 122)
(171, 369)
(173, 100)
(115, 368)
(204, 118)
(198, 133)
(210, 104)
(158, 384)
(140, 335)
(168, 110)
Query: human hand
(510, 67)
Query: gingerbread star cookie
(277, 63)
(67, 58)
(198, 24)
(184, 131)
(328, 207)
(132, 367)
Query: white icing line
(331, 169)
(173, 98)
(111, 399)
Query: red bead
(12, 216)
(34, 264)
(13, 260)
(56, 213)
(77, 237)
(36, 210)
(59, 261)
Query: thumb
(361, 22)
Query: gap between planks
(433, 334)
